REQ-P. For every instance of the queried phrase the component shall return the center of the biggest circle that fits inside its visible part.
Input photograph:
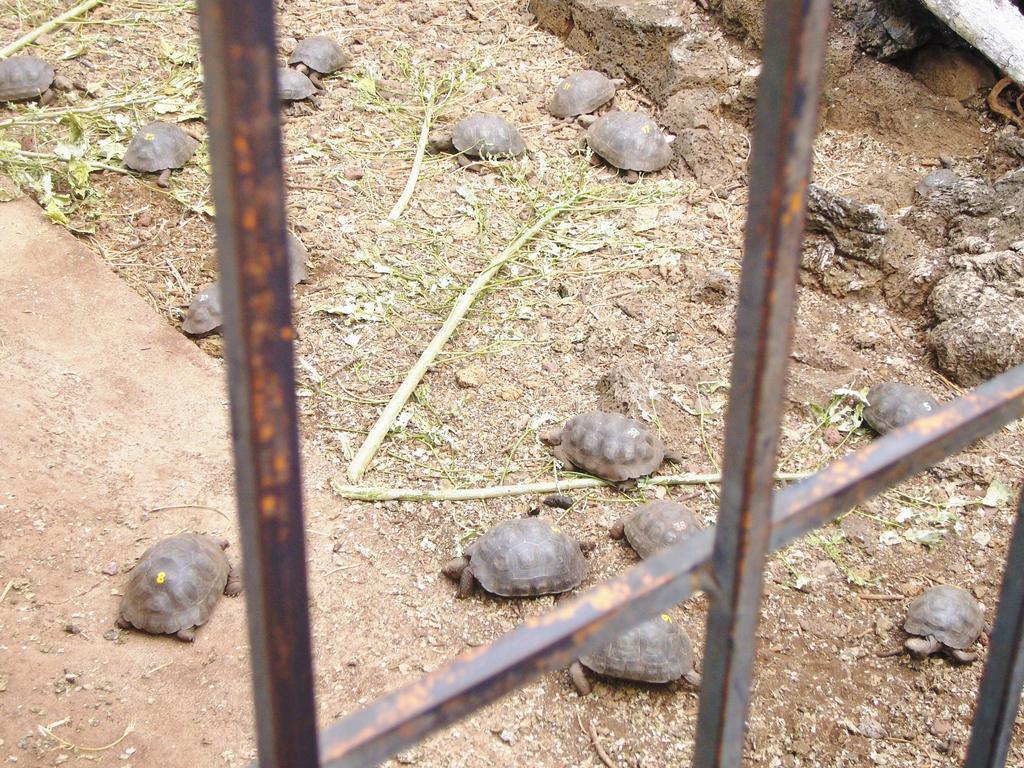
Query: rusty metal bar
(555, 639)
(781, 152)
(1003, 682)
(240, 86)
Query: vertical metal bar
(1003, 681)
(784, 129)
(240, 86)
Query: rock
(471, 376)
(832, 437)
(959, 73)
(353, 173)
(888, 28)
(980, 328)
(856, 229)
(111, 569)
(624, 391)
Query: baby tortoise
(159, 147)
(655, 525)
(205, 312)
(292, 85)
(581, 93)
(892, 405)
(945, 619)
(608, 445)
(629, 141)
(318, 55)
(176, 584)
(656, 651)
(520, 558)
(29, 77)
(481, 135)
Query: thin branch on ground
(397, 403)
(47, 731)
(48, 27)
(361, 493)
(429, 113)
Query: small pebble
(144, 220)
(354, 174)
(111, 569)
(111, 634)
(471, 376)
(72, 629)
(832, 437)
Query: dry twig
(428, 119)
(397, 403)
(360, 493)
(49, 26)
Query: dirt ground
(115, 413)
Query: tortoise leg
(463, 161)
(234, 585)
(122, 622)
(962, 657)
(300, 67)
(625, 486)
(187, 635)
(563, 459)
(693, 678)
(465, 583)
(164, 179)
(579, 678)
(922, 646)
(314, 78)
(587, 547)
(48, 97)
(631, 177)
(618, 530)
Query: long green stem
(394, 407)
(360, 493)
(421, 148)
(49, 26)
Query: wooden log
(994, 27)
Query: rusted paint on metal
(239, 61)
(781, 151)
(556, 638)
(999, 695)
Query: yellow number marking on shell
(645, 130)
(556, 530)
(566, 86)
(161, 577)
(149, 136)
(666, 617)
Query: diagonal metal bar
(1003, 682)
(238, 54)
(555, 639)
(784, 129)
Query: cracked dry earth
(624, 302)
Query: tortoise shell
(485, 135)
(892, 405)
(526, 557)
(293, 85)
(949, 614)
(24, 77)
(656, 651)
(610, 445)
(658, 524)
(321, 54)
(581, 93)
(297, 255)
(630, 141)
(205, 313)
(176, 584)
(159, 146)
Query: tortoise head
(453, 568)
